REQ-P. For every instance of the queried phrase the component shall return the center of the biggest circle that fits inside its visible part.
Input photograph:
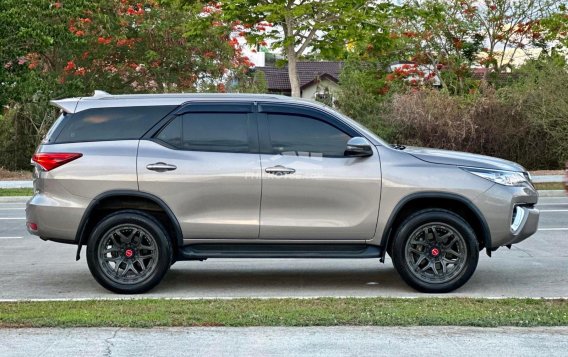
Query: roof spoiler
(69, 105)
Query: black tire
(129, 252)
(435, 251)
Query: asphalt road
(285, 341)
(33, 269)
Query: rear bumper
(54, 219)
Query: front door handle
(161, 167)
(279, 170)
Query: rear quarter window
(100, 124)
(55, 128)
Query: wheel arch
(112, 201)
(444, 200)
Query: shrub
(483, 123)
(541, 91)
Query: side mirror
(358, 147)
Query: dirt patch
(6, 175)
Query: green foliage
(288, 23)
(364, 94)
(55, 49)
(296, 26)
(541, 90)
(526, 122)
(254, 82)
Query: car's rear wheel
(435, 251)
(129, 252)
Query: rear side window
(217, 132)
(100, 124)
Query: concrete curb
(547, 178)
(5, 199)
(16, 184)
(552, 193)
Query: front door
(310, 190)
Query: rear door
(310, 190)
(204, 163)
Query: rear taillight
(50, 160)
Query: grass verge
(16, 192)
(549, 186)
(286, 312)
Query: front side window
(217, 132)
(304, 136)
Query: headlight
(507, 178)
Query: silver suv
(147, 180)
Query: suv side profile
(144, 181)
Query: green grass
(286, 312)
(549, 186)
(16, 191)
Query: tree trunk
(289, 46)
(293, 71)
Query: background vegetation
(460, 86)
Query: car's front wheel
(129, 252)
(435, 251)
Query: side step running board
(205, 251)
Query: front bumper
(528, 225)
(501, 205)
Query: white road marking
(554, 210)
(11, 237)
(552, 204)
(553, 229)
(8, 218)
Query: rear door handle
(279, 170)
(161, 167)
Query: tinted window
(111, 123)
(55, 127)
(224, 132)
(303, 136)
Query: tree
(452, 36)
(490, 32)
(53, 49)
(298, 26)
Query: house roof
(277, 77)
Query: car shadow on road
(281, 279)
